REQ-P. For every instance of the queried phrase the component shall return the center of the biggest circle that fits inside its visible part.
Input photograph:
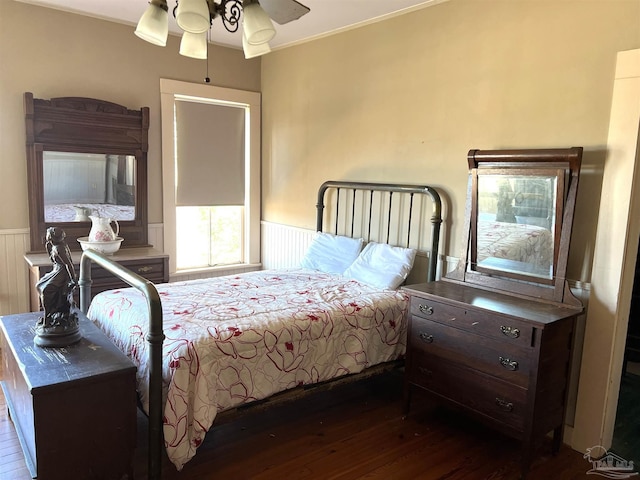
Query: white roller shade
(210, 154)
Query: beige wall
(401, 100)
(405, 99)
(57, 54)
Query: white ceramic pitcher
(101, 230)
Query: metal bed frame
(155, 336)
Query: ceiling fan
(195, 18)
(284, 11)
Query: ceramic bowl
(106, 248)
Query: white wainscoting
(283, 246)
(155, 232)
(14, 276)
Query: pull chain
(207, 79)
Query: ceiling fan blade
(284, 11)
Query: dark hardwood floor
(12, 465)
(354, 431)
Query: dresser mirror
(520, 213)
(86, 157)
(516, 233)
(77, 185)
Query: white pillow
(331, 253)
(382, 266)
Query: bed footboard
(154, 338)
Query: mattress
(234, 340)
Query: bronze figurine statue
(59, 326)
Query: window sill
(214, 271)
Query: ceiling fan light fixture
(194, 45)
(257, 25)
(193, 16)
(251, 51)
(153, 26)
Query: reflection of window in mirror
(77, 185)
(516, 220)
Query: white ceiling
(326, 16)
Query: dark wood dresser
(494, 337)
(146, 262)
(502, 358)
(74, 408)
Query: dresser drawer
(501, 359)
(152, 269)
(491, 397)
(489, 324)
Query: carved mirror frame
(561, 167)
(84, 125)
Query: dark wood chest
(74, 408)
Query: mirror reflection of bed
(516, 215)
(77, 185)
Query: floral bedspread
(236, 339)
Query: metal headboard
(367, 210)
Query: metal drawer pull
(508, 363)
(425, 371)
(510, 331)
(425, 337)
(145, 269)
(503, 404)
(426, 309)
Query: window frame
(251, 101)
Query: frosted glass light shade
(194, 45)
(153, 26)
(193, 16)
(251, 51)
(257, 25)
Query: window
(210, 168)
(209, 236)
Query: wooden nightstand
(74, 408)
